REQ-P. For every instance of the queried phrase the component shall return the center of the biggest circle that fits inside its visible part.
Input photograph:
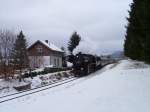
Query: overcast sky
(100, 23)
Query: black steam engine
(84, 64)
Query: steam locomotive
(84, 64)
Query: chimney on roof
(46, 41)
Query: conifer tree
(145, 21)
(137, 42)
(19, 53)
(132, 45)
(74, 42)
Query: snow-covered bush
(45, 71)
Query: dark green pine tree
(19, 53)
(145, 21)
(74, 42)
(137, 42)
(134, 34)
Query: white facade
(56, 61)
(43, 61)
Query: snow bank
(116, 88)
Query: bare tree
(7, 39)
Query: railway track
(39, 89)
(35, 90)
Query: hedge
(45, 71)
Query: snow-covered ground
(7, 87)
(122, 87)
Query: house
(44, 53)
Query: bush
(26, 75)
(46, 71)
(65, 74)
(34, 74)
(58, 76)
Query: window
(39, 49)
(57, 62)
(50, 60)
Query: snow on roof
(49, 45)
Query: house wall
(45, 58)
(43, 61)
(39, 61)
(54, 61)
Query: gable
(34, 50)
(44, 48)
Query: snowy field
(122, 87)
